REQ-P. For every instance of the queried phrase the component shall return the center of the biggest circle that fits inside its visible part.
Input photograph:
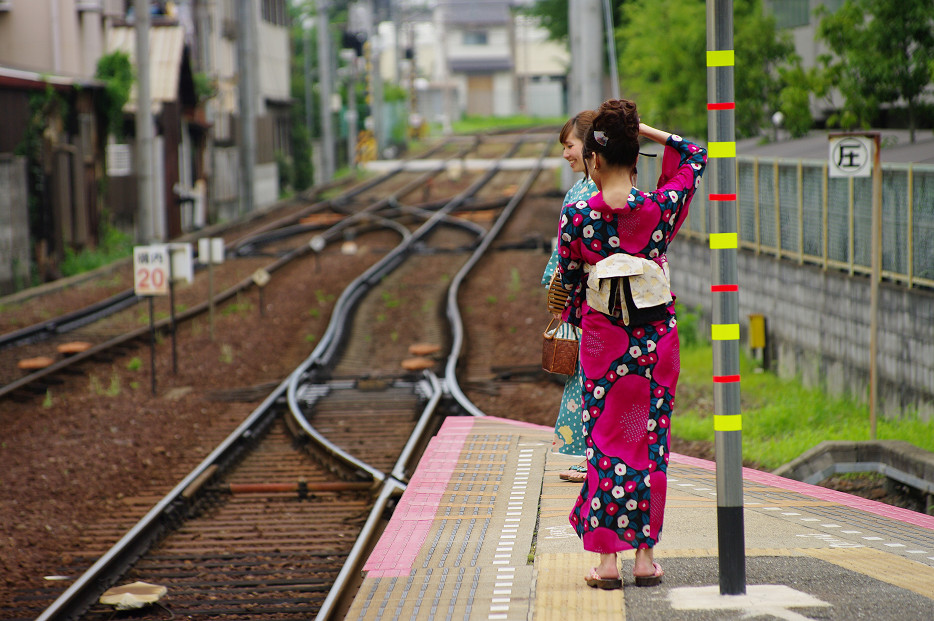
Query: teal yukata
(569, 430)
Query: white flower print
(598, 392)
(646, 531)
(613, 241)
(631, 504)
(595, 504)
(622, 370)
(648, 374)
(676, 138)
(661, 450)
(622, 521)
(650, 345)
(595, 215)
(648, 480)
(619, 469)
(594, 522)
(657, 236)
(572, 406)
(672, 219)
(659, 403)
(618, 491)
(673, 196)
(672, 323)
(588, 454)
(588, 231)
(585, 417)
(652, 424)
(564, 220)
(635, 351)
(566, 237)
(573, 265)
(653, 252)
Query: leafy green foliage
(114, 245)
(116, 72)
(883, 52)
(664, 68)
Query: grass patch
(473, 124)
(781, 418)
(113, 245)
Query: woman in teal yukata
(569, 430)
(611, 251)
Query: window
(791, 13)
(475, 37)
(275, 12)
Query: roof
(18, 78)
(476, 12)
(480, 65)
(166, 49)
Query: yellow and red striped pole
(721, 180)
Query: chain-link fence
(791, 209)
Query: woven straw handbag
(559, 355)
(557, 295)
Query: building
(50, 49)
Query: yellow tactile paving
(560, 592)
(895, 570)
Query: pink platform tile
(815, 491)
(396, 550)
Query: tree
(883, 51)
(662, 63)
(553, 16)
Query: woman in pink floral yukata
(612, 259)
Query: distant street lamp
(777, 119)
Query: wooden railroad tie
(35, 364)
(74, 347)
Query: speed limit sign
(151, 270)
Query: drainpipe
(55, 25)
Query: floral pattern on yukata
(630, 371)
(569, 437)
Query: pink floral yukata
(630, 371)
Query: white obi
(649, 282)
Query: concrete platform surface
(482, 532)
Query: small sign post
(180, 268)
(151, 278)
(261, 279)
(211, 251)
(856, 154)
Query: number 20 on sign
(151, 270)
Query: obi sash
(624, 285)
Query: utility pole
(144, 127)
(376, 78)
(350, 55)
(724, 242)
(247, 99)
(308, 25)
(324, 90)
(585, 83)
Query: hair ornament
(600, 137)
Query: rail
(792, 210)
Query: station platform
(482, 532)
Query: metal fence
(791, 209)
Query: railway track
(274, 522)
(32, 356)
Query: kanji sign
(850, 156)
(151, 270)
